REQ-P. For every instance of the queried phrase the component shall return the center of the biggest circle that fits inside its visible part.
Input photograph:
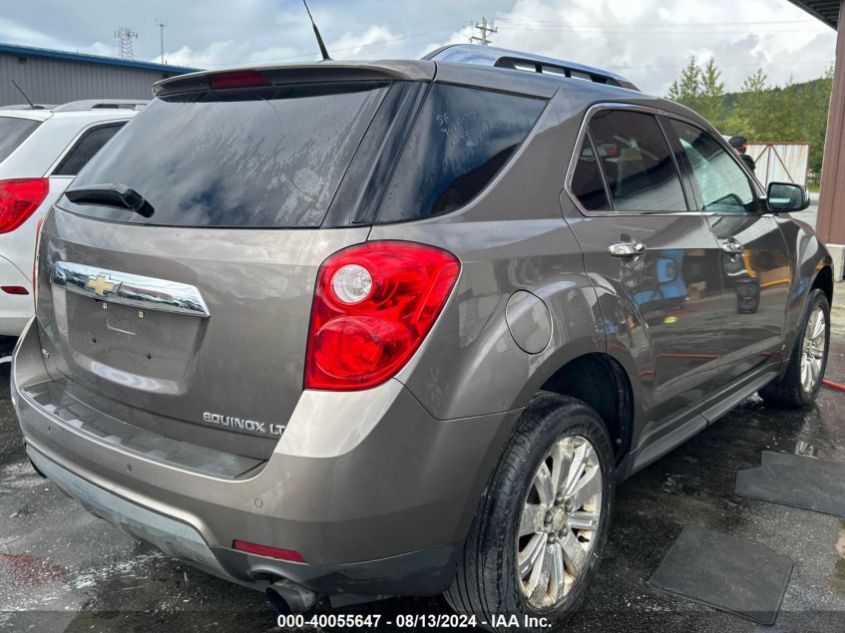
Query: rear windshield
(272, 160)
(13, 132)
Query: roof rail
(517, 60)
(26, 106)
(86, 105)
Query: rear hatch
(175, 285)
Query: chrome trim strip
(147, 293)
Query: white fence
(781, 162)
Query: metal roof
(31, 51)
(825, 10)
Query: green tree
(711, 81)
(790, 113)
(687, 89)
(755, 82)
(712, 93)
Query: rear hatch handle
(111, 195)
(137, 291)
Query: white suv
(41, 151)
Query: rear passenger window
(638, 166)
(89, 144)
(587, 184)
(462, 138)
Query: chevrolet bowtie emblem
(100, 285)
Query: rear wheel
(802, 379)
(536, 541)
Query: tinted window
(270, 159)
(462, 138)
(587, 183)
(12, 133)
(724, 186)
(637, 162)
(89, 144)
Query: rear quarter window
(13, 132)
(85, 148)
(461, 139)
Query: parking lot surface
(62, 569)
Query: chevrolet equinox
(339, 331)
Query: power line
(410, 36)
(651, 24)
(646, 32)
(485, 29)
(720, 66)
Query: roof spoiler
(328, 71)
(518, 60)
(85, 105)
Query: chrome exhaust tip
(287, 597)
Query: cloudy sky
(645, 40)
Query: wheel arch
(824, 282)
(600, 380)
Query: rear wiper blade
(112, 195)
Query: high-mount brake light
(374, 304)
(19, 199)
(239, 79)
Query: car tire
(500, 544)
(791, 390)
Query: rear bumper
(377, 511)
(422, 573)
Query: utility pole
(485, 28)
(124, 42)
(161, 24)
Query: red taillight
(266, 550)
(240, 79)
(19, 199)
(373, 305)
(14, 290)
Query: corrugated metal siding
(57, 81)
(781, 162)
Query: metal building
(54, 77)
(831, 221)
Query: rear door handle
(732, 247)
(627, 249)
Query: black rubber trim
(422, 573)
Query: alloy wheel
(813, 350)
(559, 522)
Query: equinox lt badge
(242, 424)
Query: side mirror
(785, 197)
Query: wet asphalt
(62, 569)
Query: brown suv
(346, 330)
